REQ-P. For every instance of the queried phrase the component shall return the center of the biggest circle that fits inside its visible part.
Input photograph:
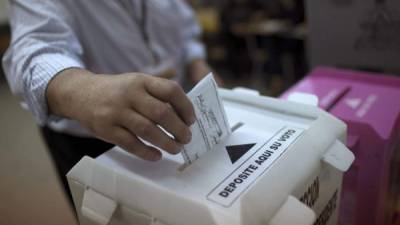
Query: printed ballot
(211, 126)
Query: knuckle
(103, 114)
(145, 128)
(173, 88)
(136, 79)
(161, 112)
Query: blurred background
(265, 45)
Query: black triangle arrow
(237, 151)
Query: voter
(102, 73)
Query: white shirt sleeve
(193, 47)
(43, 44)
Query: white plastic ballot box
(282, 165)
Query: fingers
(171, 92)
(167, 74)
(146, 129)
(132, 144)
(163, 114)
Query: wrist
(66, 90)
(197, 63)
(197, 69)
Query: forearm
(197, 69)
(198, 64)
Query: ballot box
(370, 106)
(354, 34)
(281, 165)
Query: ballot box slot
(233, 128)
(337, 98)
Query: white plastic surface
(293, 212)
(176, 197)
(304, 98)
(97, 207)
(339, 156)
(248, 91)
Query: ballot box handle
(247, 91)
(303, 98)
(339, 156)
(96, 206)
(293, 212)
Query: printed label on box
(226, 192)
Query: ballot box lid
(247, 179)
(356, 97)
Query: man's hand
(121, 108)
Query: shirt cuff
(43, 68)
(194, 50)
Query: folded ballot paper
(211, 126)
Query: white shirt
(103, 36)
